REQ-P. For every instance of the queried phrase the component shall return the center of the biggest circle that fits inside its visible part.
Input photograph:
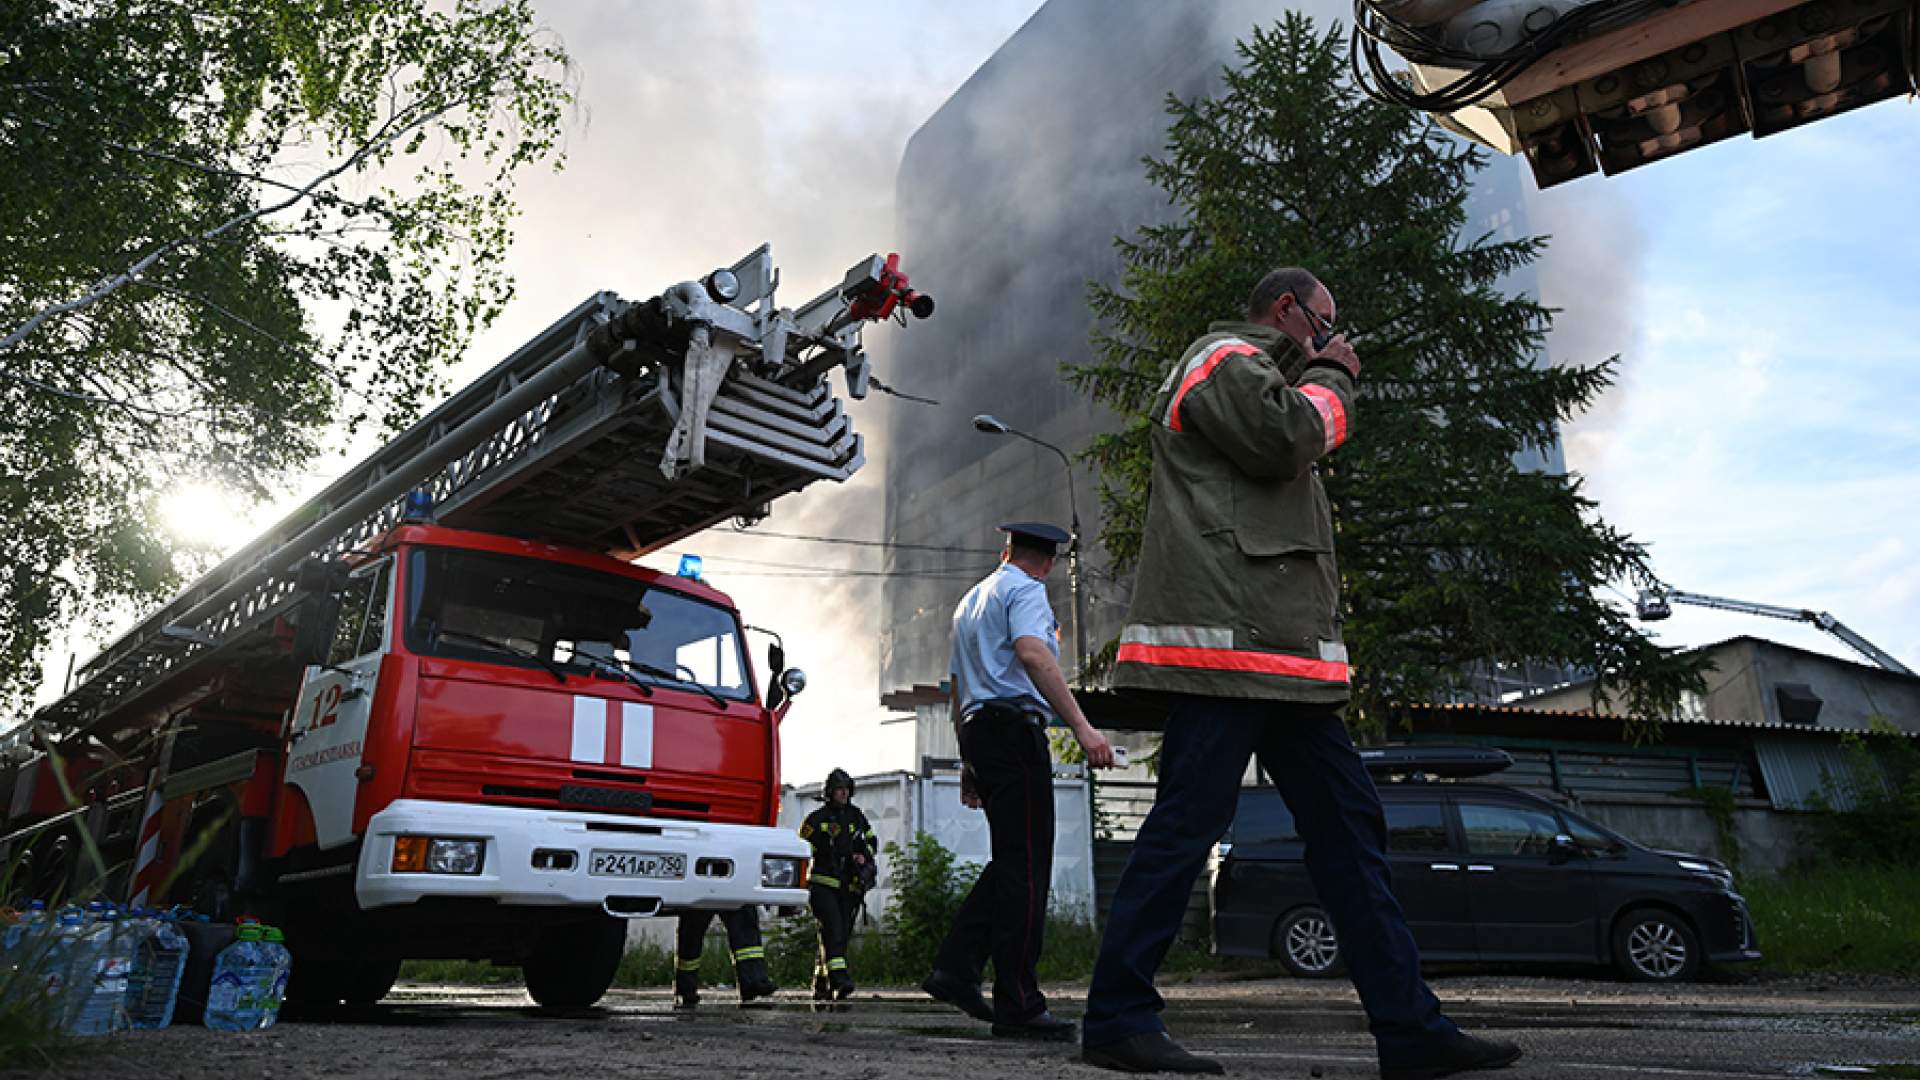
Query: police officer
(743, 940)
(1235, 623)
(844, 851)
(1007, 687)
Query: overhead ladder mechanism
(621, 428)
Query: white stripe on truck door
(636, 735)
(590, 718)
(590, 729)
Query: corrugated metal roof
(1696, 721)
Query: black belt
(1005, 711)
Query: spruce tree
(1450, 555)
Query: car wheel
(1651, 945)
(1304, 942)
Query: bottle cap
(248, 932)
(272, 933)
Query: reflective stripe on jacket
(836, 832)
(1237, 593)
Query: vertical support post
(1553, 766)
(146, 859)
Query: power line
(853, 542)
(818, 567)
(823, 575)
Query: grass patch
(1839, 918)
(459, 973)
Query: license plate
(640, 864)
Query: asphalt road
(1278, 1028)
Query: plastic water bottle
(159, 962)
(29, 924)
(65, 958)
(273, 943)
(22, 953)
(100, 981)
(242, 977)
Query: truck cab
(506, 735)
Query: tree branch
(390, 132)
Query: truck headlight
(437, 855)
(782, 872)
(455, 856)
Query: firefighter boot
(754, 981)
(750, 971)
(686, 986)
(839, 979)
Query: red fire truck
(438, 712)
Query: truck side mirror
(792, 681)
(776, 659)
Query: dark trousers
(743, 942)
(1305, 750)
(834, 909)
(1005, 914)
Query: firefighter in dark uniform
(1007, 687)
(844, 850)
(743, 941)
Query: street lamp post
(992, 425)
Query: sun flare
(204, 515)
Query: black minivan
(1484, 873)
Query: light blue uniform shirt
(1007, 604)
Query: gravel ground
(1570, 1027)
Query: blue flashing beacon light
(690, 567)
(419, 507)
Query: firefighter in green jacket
(844, 867)
(743, 942)
(1235, 627)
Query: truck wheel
(1304, 942)
(1652, 945)
(573, 965)
(318, 980)
(369, 979)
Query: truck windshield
(503, 609)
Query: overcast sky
(1763, 438)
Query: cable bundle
(1485, 74)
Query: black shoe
(753, 989)
(842, 984)
(1153, 1051)
(1045, 1026)
(959, 992)
(686, 990)
(1462, 1053)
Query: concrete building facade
(1010, 198)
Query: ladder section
(620, 428)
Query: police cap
(1037, 534)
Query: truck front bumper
(544, 858)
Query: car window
(1416, 826)
(1263, 818)
(1494, 829)
(1588, 839)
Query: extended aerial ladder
(1656, 604)
(620, 428)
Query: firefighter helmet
(838, 778)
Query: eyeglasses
(1323, 328)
